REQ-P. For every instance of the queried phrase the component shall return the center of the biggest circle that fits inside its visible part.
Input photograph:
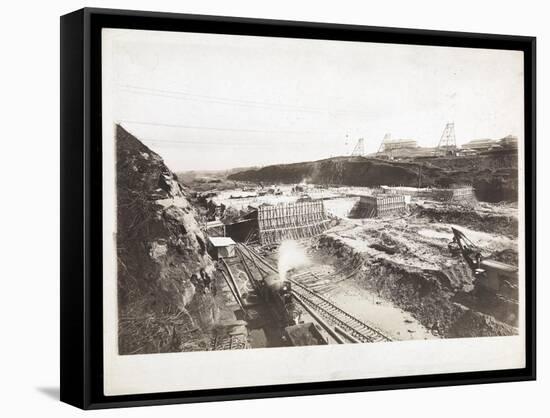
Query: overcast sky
(206, 101)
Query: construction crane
(492, 275)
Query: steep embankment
(159, 247)
(433, 295)
(494, 175)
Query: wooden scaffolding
(291, 221)
(381, 205)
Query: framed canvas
(258, 208)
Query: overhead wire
(183, 95)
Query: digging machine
(494, 276)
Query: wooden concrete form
(291, 221)
(382, 205)
(463, 193)
(457, 193)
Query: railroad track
(337, 316)
(327, 309)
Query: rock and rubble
(159, 247)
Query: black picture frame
(81, 199)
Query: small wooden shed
(221, 247)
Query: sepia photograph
(270, 192)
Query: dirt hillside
(494, 176)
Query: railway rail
(334, 314)
(350, 326)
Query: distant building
(465, 152)
(403, 148)
(422, 152)
(509, 141)
(480, 145)
(398, 144)
(398, 149)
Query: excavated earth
(498, 219)
(406, 262)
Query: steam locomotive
(277, 294)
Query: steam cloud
(291, 255)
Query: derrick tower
(385, 140)
(359, 150)
(447, 143)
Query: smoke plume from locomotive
(291, 255)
